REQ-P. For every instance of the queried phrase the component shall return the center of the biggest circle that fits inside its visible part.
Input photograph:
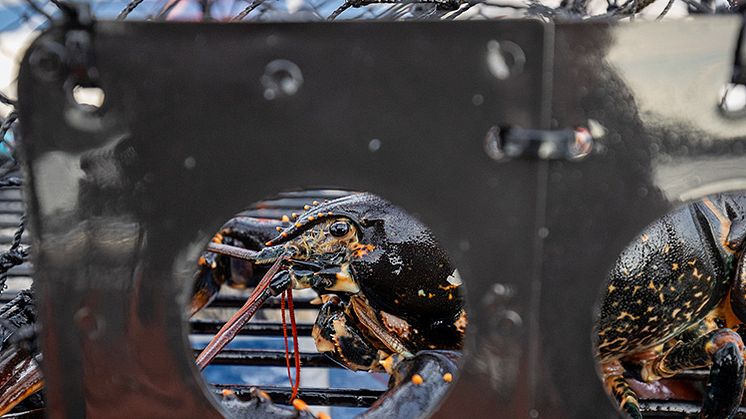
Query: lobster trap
(471, 126)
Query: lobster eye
(339, 228)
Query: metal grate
(343, 397)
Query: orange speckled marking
(323, 415)
(299, 404)
(448, 377)
(417, 379)
(226, 392)
(360, 250)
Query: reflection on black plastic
(504, 143)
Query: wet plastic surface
(200, 120)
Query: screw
(493, 144)
(281, 78)
(505, 59)
(48, 61)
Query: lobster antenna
(231, 328)
(296, 354)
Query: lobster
(20, 376)
(389, 290)
(676, 300)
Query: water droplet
(89, 323)
(374, 145)
(533, 413)
(190, 162)
(477, 99)
(543, 232)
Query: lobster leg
(216, 269)
(723, 349)
(368, 318)
(617, 386)
(20, 377)
(208, 279)
(417, 385)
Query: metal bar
(675, 409)
(210, 327)
(232, 301)
(313, 396)
(255, 357)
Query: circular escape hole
(88, 96)
(671, 310)
(372, 317)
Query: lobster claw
(211, 275)
(20, 377)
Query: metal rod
(233, 301)
(210, 327)
(312, 396)
(256, 357)
(676, 409)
